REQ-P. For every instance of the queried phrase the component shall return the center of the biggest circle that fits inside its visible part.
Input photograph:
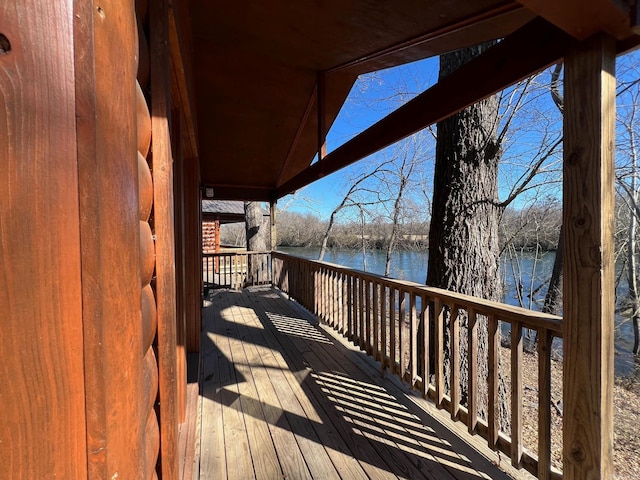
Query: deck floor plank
(277, 385)
(261, 361)
(238, 463)
(261, 442)
(318, 431)
(287, 329)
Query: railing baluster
(493, 419)
(438, 354)
(384, 324)
(323, 288)
(327, 295)
(316, 290)
(392, 329)
(402, 334)
(472, 379)
(544, 403)
(455, 362)
(516, 394)
(362, 318)
(355, 289)
(424, 322)
(376, 320)
(367, 306)
(350, 319)
(343, 303)
(334, 299)
(413, 338)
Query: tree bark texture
(256, 228)
(463, 239)
(258, 237)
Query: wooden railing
(404, 325)
(236, 270)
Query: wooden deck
(284, 397)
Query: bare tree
(349, 200)
(409, 159)
(627, 182)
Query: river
(524, 268)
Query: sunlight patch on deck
(297, 327)
(375, 414)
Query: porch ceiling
(256, 68)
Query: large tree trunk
(258, 237)
(463, 239)
(553, 299)
(256, 227)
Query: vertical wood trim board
(178, 182)
(42, 406)
(164, 230)
(106, 66)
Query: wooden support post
(589, 142)
(273, 205)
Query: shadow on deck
(284, 397)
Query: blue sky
(372, 97)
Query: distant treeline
(535, 227)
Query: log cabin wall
(88, 348)
(211, 236)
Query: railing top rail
(504, 312)
(240, 252)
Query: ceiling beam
(533, 47)
(241, 192)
